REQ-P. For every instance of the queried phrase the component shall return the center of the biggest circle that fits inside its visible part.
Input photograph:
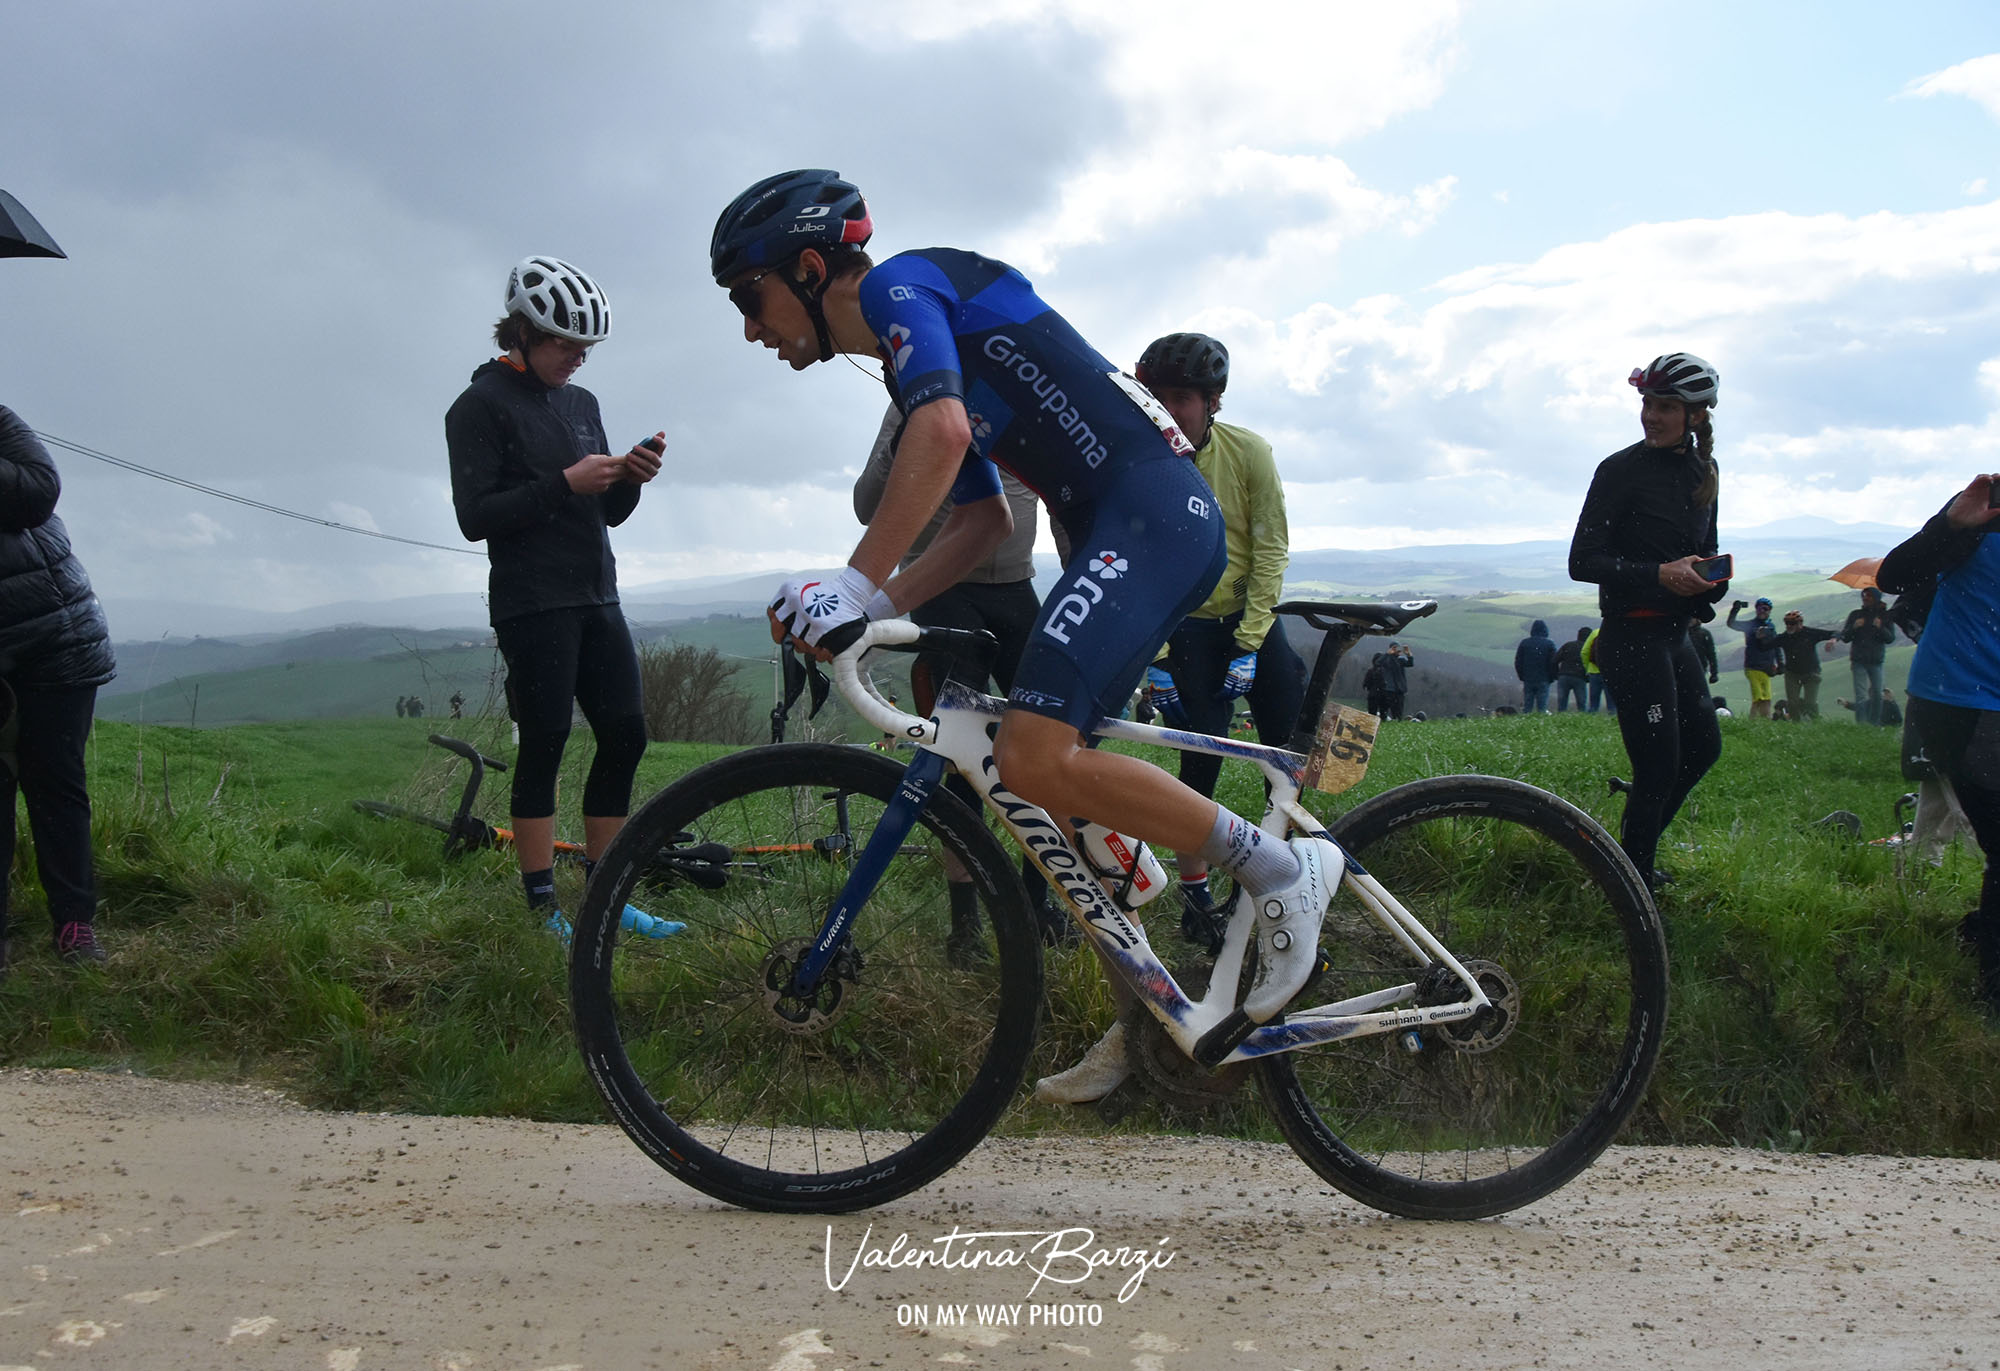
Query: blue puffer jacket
(52, 630)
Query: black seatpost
(1339, 639)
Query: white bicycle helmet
(557, 298)
(1681, 375)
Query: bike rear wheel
(1474, 1119)
(916, 1041)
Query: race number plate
(1341, 748)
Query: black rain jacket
(511, 438)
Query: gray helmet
(1681, 375)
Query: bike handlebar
(900, 635)
(468, 751)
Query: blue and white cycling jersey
(1043, 403)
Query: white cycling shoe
(1102, 1070)
(1288, 920)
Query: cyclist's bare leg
(1043, 760)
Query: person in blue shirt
(975, 359)
(1954, 685)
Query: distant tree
(691, 695)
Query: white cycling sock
(1258, 861)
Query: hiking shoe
(1102, 1070)
(1288, 922)
(1058, 928)
(1201, 922)
(1841, 820)
(965, 950)
(637, 920)
(558, 924)
(77, 945)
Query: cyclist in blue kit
(974, 359)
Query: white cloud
(1848, 349)
(1977, 80)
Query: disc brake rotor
(819, 1011)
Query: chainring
(1169, 1074)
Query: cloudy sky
(1436, 236)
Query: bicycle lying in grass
(1487, 1016)
(464, 831)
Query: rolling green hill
(359, 672)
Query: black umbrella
(20, 235)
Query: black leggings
(1667, 719)
(583, 655)
(1198, 657)
(55, 724)
(1965, 745)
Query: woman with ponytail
(1647, 526)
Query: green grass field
(261, 929)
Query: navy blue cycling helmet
(783, 215)
(1194, 360)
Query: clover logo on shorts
(1110, 566)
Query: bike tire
(1508, 874)
(383, 810)
(687, 1040)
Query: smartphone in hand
(1716, 568)
(655, 444)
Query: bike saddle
(1370, 617)
(702, 864)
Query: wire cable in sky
(183, 482)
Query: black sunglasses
(744, 294)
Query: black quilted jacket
(52, 630)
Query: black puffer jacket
(52, 630)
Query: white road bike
(1487, 1007)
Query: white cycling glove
(808, 605)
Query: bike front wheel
(1467, 1120)
(907, 1053)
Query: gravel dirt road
(154, 1225)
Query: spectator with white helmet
(534, 477)
(1645, 536)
